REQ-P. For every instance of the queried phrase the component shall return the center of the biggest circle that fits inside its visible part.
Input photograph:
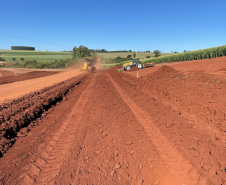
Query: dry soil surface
(166, 127)
(17, 89)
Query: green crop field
(124, 55)
(40, 56)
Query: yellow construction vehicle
(88, 65)
(136, 63)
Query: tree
(130, 51)
(185, 51)
(175, 52)
(22, 59)
(157, 53)
(129, 56)
(81, 52)
(14, 59)
(134, 54)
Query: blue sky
(166, 25)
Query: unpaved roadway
(15, 90)
(166, 127)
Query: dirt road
(15, 90)
(112, 128)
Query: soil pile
(165, 70)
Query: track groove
(182, 171)
(45, 168)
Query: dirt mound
(10, 77)
(165, 70)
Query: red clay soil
(117, 67)
(10, 77)
(166, 128)
(133, 69)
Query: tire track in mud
(181, 171)
(47, 166)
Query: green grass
(40, 56)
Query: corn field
(193, 55)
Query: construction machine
(136, 63)
(88, 65)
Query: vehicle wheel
(127, 68)
(139, 65)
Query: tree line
(22, 48)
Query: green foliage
(115, 61)
(81, 52)
(148, 56)
(193, 55)
(157, 53)
(134, 54)
(14, 59)
(22, 59)
(22, 48)
(2, 59)
(129, 56)
(57, 64)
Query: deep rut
(181, 170)
(46, 167)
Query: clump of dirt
(10, 77)
(133, 69)
(117, 67)
(223, 69)
(22, 113)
